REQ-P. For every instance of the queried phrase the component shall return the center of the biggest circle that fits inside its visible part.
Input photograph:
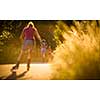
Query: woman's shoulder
(25, 28)
(34, 29)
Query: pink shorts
(43, 50)
(28, 44)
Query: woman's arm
(37, 35)
(22, 35)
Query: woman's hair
(43, 40)
(31, 24)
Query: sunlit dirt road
(36, 72)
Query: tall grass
(78, 57)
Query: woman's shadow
(14, 76)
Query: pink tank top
(29, 33)
(43, 45)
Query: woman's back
(28, 33)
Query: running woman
(43, 49)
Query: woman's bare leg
(20, 55)
(18, 61)
(29, 59)
(43, 57)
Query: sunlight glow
(37, 64)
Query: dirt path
(37, 72)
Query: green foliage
(46, 31)
(60, 28)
